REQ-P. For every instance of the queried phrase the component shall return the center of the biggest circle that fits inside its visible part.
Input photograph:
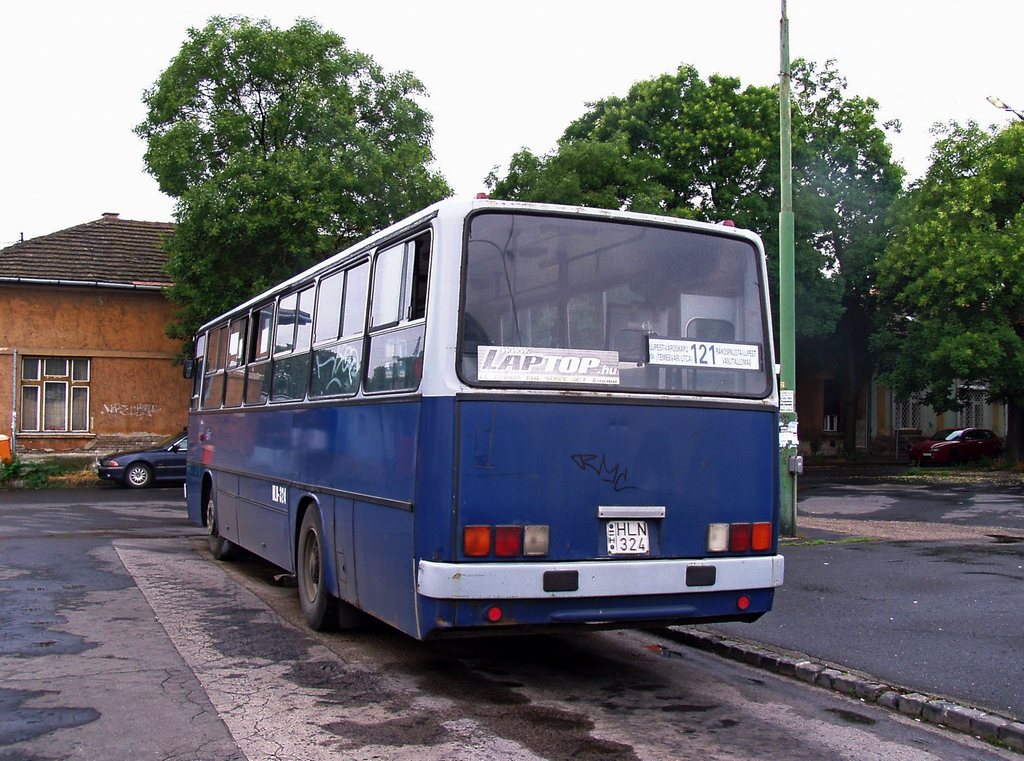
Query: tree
(681, 146)
(674, 145)
(280, 146)
(952, 278)
(846, 182)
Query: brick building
(85, 363)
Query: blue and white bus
(497, 417)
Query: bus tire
(319, 606)
(221, 548)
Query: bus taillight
(718, 537)
(535, 541)
(476, 541)
(739, 537)
(761, 539)
(509, 541)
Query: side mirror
(188, 368)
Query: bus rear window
(566, 302)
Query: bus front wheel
(319, 607)
(222, 549)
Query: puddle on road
(23, 723)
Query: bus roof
(462, 206)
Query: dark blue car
(164, 462)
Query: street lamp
(999, 104)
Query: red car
(949, 446)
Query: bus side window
(420, 270)
(340, 314)
(328, 308)
(257, 381)
(213, 385)
(397, 307)
(354, 317)
(197, 376)
(235, 363)
(291, 346)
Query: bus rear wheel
(222, 549)
(319, 606)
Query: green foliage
(845, 177)
(708, 150)
(952, 278)
(281, 146)
(674, 145)
(33, 475)
(845, 183)
(583, 173)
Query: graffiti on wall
(139, 409)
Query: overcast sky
(500, 76)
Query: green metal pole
(787, 342)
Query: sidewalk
(921, 618)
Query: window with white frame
(54, 393)
(907, 413)
(972, 414)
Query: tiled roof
(108, 252)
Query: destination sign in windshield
(686, 353)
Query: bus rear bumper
(601, 578)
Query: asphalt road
(86, 669)
(123, 639)
(951, 498)
(917, 584)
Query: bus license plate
(627, 538)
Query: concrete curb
(934, 710)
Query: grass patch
(992, 472)
(801, 542)
(37, 474)
(985, 472)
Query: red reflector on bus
(762, 537)
(476, 541)
(743, 602)
(493, 614)
(739, 537)
(508, 541)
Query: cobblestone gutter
(933, 709)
